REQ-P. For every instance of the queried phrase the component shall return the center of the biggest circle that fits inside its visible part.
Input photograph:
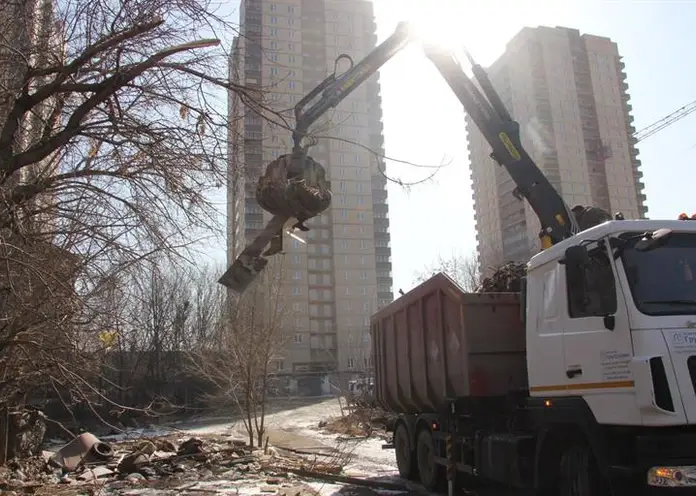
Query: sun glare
(437, 22)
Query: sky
(424, 123)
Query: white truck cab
(611, 320)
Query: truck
(583, 384)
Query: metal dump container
(438, 342)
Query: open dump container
(438, 342)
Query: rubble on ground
(359, 422)
(176, 465)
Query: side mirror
(652, 240)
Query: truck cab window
(593, 292)
(662, 281)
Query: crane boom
(668, 120)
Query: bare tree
(463, 269)
(111, 139)
(242, 356)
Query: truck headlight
(672, 476)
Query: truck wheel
(405, 460)
(429, 471)
(579, 475)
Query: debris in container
(507, 278)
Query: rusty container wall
(438, 342)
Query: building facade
(568, 92)
(335, 281)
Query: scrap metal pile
(506, 279)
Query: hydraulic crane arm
(483, 105)
(489, 114)
(336, 87)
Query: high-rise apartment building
(30, 33)
(569, 94)
(335, 281)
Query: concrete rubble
(207, 464)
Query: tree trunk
(21, 433)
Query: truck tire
(405, 459)
(578, 474)
(430, 473)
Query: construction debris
(301, 197)
(85, 448)
(505, 279)
(188, 465)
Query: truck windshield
(663, 281)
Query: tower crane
(666, 121)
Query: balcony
(384, 266)
(379, 194)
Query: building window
(274, 20)
(273, 7)
(291, 59)
(363, 275)
(362, 260)
(296, 291)
(280, 365)
(274, 71)
(359, 186)
(274, 32)
(274, 45)
(361, 215)
(291, 85)
(296, 259)
(291, 9)
(363, 291)
(297, 275)
(297, 338)
(274, 57)
(363, 244)
(351, 363)
(297, 307)
(366, 307)
(361, 200)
